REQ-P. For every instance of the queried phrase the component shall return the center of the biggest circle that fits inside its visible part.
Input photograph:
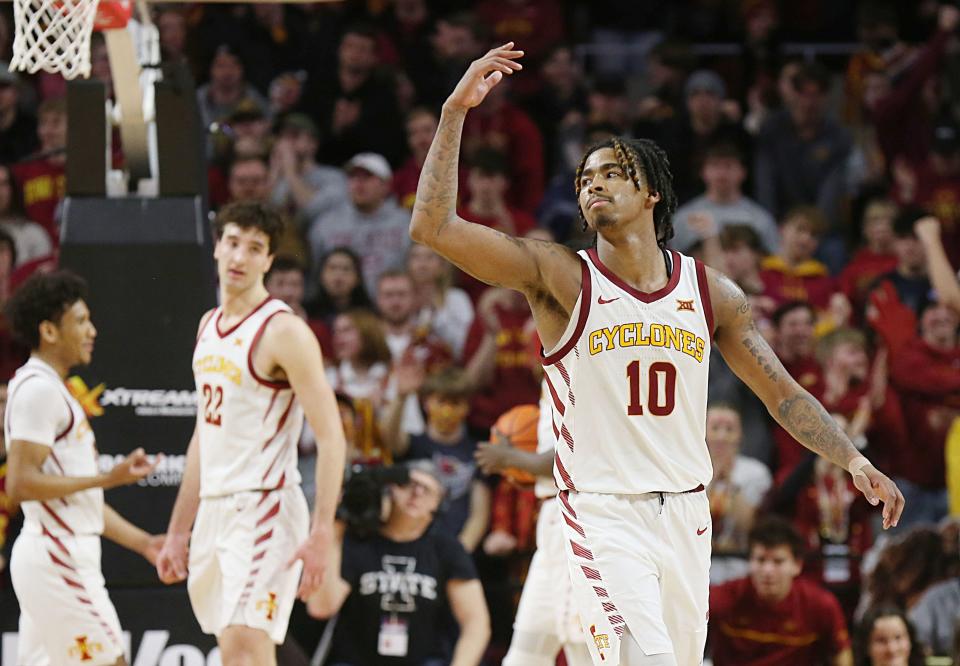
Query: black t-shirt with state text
(397, 582)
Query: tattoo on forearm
(760, 351)
(437, 191)
(752, 339)
(812, 426)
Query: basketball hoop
(54, 35)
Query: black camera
(363, 496)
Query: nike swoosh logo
(700, 532)
(602, 301)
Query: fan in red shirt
(497, 354)
(793, 274)
(42, 179)
(875, 258)
(773, 618)
(420, 127)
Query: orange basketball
(517, 427)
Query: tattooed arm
(488, 255)
(752, 359)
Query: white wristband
(857, 464)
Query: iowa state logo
(84, 649)
(269, 604)
(601, 641)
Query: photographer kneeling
(395, 586)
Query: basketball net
(54, 35)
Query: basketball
(517, 427)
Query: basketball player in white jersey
(258, 371)
(66, 616)
(546, 620)
(627, 329)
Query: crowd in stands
(827, 186)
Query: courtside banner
(149, 264)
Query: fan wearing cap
(369, 222)
(393, 588)
(18, 130)
(302, 187)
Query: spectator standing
(31, 240)
(793, 274)
(801, 153)
(370, 222)
(488, 181)
(875, 258)
(772, 616)
(723, 172)
(909, 280)
(18, 129)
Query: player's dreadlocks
(641, 158)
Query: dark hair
(361, 28)
(861, 637)
(43, 297)
(641, 158)
(394, 273)
(735, 234)
(489, 162)
(772, 531)
(786, 308)
(724, 150)
(903, 223)
(284, 265)
(7, 239)
(251, 215)
(16, 195)
(908, 566)
(323, 304)
(468, 21)
(811, 72)
(450, 382)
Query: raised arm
(942, 274)
(486, 254)
(753, 361)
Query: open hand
(483, 74)
(314, 553)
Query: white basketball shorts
(239, 551)
(66, 616)
(640, 563)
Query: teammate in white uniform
(628, 328)
(258, 370)
(66, 616)
(547, 620)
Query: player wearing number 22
(258, 371)
(627, 328)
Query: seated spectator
(446, 442)
(885, 637)
(227, 88)
(397, 304)
(738, 486)
(41, 180)
(285, 280)
(498, 359)
(420, 127)
(443, 309)
(936, 616)
(340, 286)
(792, 274)
(723, 173)
(248, 179)
(18, 129)
(244, 132)
(743, 252)
(370, 222)
(360, 366)
(301, 187)
(909, 279)
(31, 240)
(772, 616)
(926, 374)
(875, 258)
(394, 588)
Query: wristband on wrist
(856, 465)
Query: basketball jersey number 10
(659, 403)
